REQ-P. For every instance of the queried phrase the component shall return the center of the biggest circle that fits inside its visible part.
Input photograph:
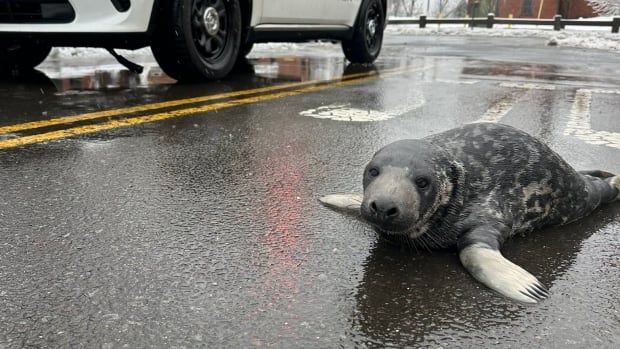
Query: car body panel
(319, 12)
(101, 17)
(94, 16)
(99, 24)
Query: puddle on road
(110, 76)
(59, 89)
(63, 78)
(412, 299)
(299, 68)
(105, 78)
(531, 71)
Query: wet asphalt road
(204, 229)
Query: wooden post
(615, 25)
(542, 4)
(557, 25)
(490, 20)
(423, 21)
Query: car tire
(22, 56)
(365, 45)
(198, 39)
(246, 49)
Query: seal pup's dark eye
(421, 182)
(373, 172)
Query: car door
(325, 12)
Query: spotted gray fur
(490, 182)
(512, 179)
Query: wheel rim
(373, 26)
(210, 27)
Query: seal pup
(472, 188)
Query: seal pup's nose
(384, 209)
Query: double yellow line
(266, 94)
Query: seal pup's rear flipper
(597, 173)
(349, 204)
(614, 183)
(488, 266)
(603, 193)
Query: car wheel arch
(247, 7)
(383, 3)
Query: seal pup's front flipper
(488, 266)
(479, 253)
(349, 204)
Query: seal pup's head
(405, 183)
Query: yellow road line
(175, 103)
(87, 129)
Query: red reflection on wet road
(282, 212)
(281, 172)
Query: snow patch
(593, 38)
(95, 52)
(90, 52)
(599, 42)
(288, 46)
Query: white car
(191, 39)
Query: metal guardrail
(557, 22)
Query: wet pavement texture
(205, 230)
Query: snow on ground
(572, 36)
(89, 52)
(285, 46)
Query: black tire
(188, 49)
(365, 45)
(19, 57)
(242, 65)
(356, 68)
(246, 49)
(242, 61)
